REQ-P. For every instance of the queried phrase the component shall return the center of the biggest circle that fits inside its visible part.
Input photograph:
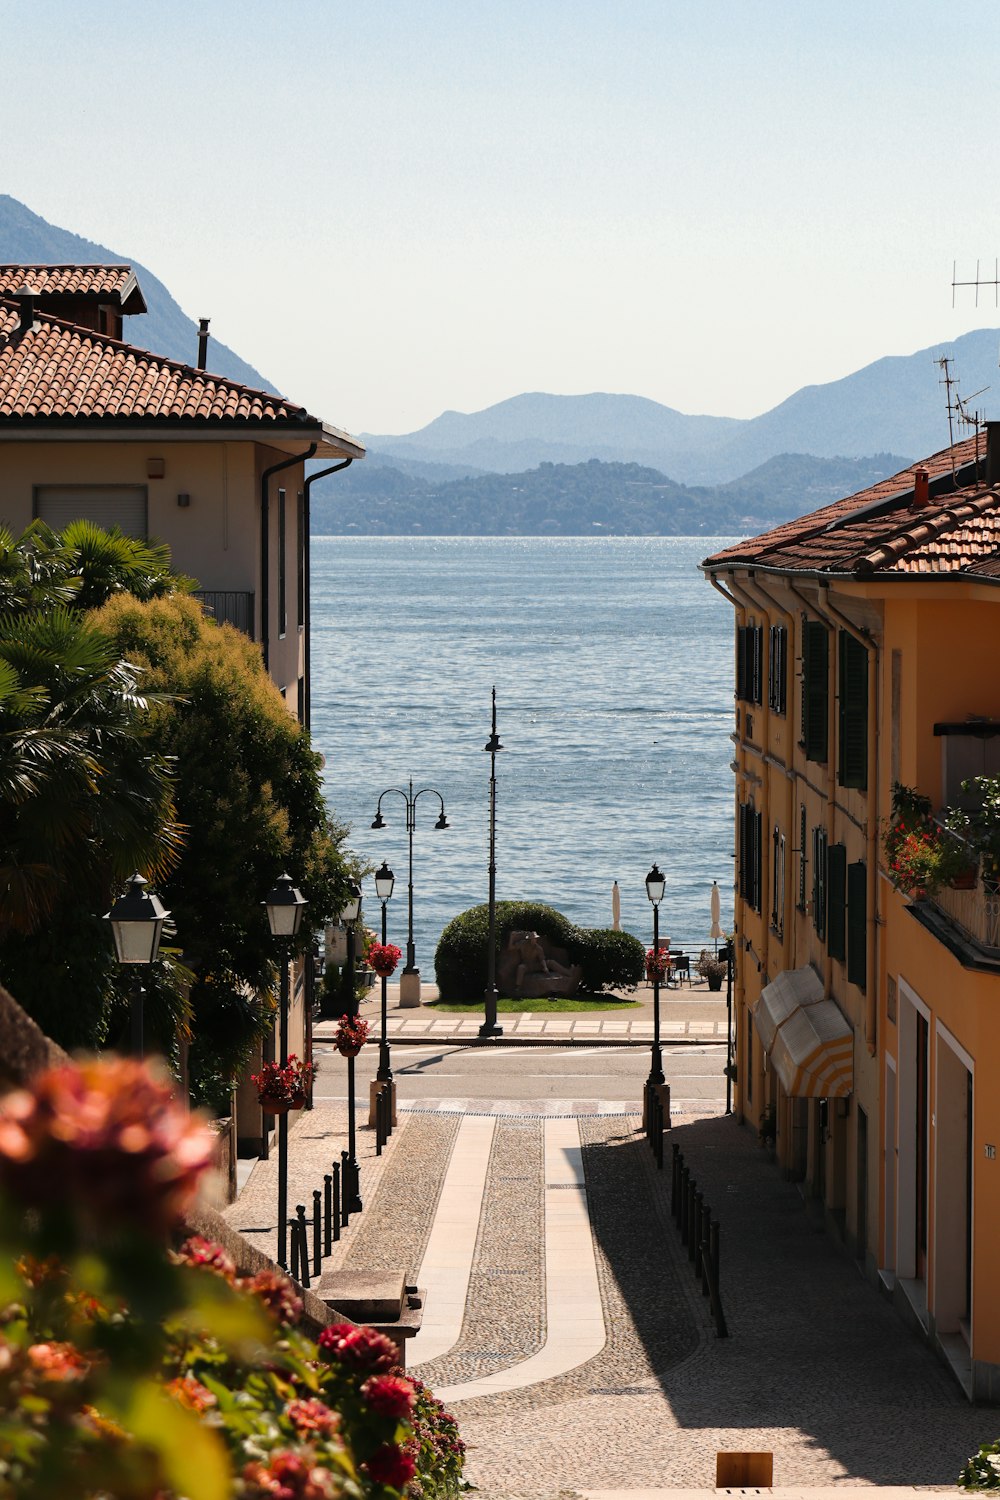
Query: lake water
(612, 660)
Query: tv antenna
(980, 281)
(958, 407)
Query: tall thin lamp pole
(491, 995)
(384, 881)
(284, 907)
(655, 886)
(352, 1186)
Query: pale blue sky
(710, 204)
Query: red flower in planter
(352, 1033)
(389, 1395)
(383, 958)
(283, 1088)
(657, 963)
(357, 1348)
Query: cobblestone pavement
(818, 1368)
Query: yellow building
(868, 1021)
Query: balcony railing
(974, 909)
(229, 607)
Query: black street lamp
(410, 798)
(351, 1186)
(489, 1026)
(137, 921)
(384, 882)
(655, 886)
(284, 906)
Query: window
(750, 854)
(778, 881)
(819, 881)
(836, 901)
(282, 564)
(777, 669)
(749, 665)
(857, 924)
(815, 689)
(107, 505)
(853, 706)
(300, 561)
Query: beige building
(94, 427)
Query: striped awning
(808, 1040)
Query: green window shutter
(836, 901)
(741, 662)
(819, 881)
(757, 668)
(857, 923)
(853, 757)
(815, 689)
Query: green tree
(249, 794)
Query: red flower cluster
(351, 1035)
(657, 963)
(205, 1255)
(283, 1085)
(312, 1416)
(277, 1294)
(383, 958)
(58, 1361)
(391, 1465)
(357, 1348)
(389, 1395)
(190, 1392)
(288, 1476)
(107, 1138)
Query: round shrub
(610, 960)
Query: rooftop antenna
(979, 282)
(948, 380)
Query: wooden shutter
(857, 924)
(819, 881)
(741, 662)
(757, 666)
(836, 899)
(777, 657)
(758, 851)
(853, 666)
(815, 689)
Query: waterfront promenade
(562, 1320)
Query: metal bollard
(721, 1327)
(317, 1231)
(327, 1214)
(303, 1239)
(692, 1219)
(294, 1268)
(675, 1167)
(335, 1174)
(345, 1189)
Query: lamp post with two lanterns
(489, 1026)
(409, 987)
(284, 906)
(137, 920)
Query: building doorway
(953, 1186)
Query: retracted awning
(808, 1040)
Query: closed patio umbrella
(716, 931)
(616, 908)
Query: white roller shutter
(121, 505)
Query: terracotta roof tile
(51, 282)
(56, 370)
(879, 529)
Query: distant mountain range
(165, 329)
(896, 404)
(588, 499)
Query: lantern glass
(384, 882)
(284, 907)
(351, 909)
(656, 884)
(137, 921)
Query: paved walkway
(818, 1369)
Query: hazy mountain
(589, 499)
(165, 329)
(895, 404)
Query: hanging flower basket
(383, 958)
(351, 1035)
(280, 1089)
(657, 964)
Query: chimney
(25, 297)
(992, 453)
(921, 489)
(203, 343)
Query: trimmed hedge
(610, 960)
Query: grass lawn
(542, 1006)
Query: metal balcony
(229, 607)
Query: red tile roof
(57, 372)
(103, 283)
(879, 530)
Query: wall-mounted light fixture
(183, 501)
(155, 468)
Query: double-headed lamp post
(137, 920)
(284, 906)
(489, 1026)
(655, 886)
(409, 993)
(384, 882)
(349, 915)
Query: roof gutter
(306, 564)
(265, 548)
